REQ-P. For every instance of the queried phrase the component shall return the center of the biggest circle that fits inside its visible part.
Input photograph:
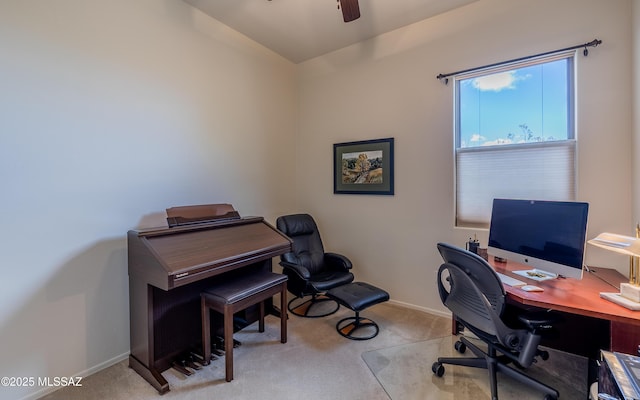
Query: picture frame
(363, 167)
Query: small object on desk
(472, 245)
(630, 291)
(509, 281)
(536, 274)
(620, 300)
(531, 288)
(499, 259)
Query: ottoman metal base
(347, 326)
(357, 296)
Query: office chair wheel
(550, 397)
(544, 355)
(460, 347)
(437, 369)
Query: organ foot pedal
(189, 362)
(181, 367)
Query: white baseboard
(106, 364)
(423, 309)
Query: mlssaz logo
(60, 381)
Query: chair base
(306, 308)
(490, 362)
(347, 326)
(357, 296)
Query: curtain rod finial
(443, 78)
(593, 43)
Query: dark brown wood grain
(170, 267)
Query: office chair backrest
(474, 293)
(481, 272)
(307, 249)
(472, 290)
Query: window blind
(542, 170)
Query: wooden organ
(168, 269)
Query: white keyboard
(509, 281)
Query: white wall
(636, 112)
(110, 112)
(386, 87)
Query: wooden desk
(589, 316)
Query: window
(514, 135)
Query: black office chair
(311, 271)
(472, 290)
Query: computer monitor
(548, 236)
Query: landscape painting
(364, 167)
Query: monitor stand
(536, 274)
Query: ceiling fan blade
(350, 10)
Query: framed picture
(364, 167)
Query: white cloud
(496, 82)
(476, 137)
(497, 142)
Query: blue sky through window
(523, 105)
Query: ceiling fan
(350, 9)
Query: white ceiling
(303, 29)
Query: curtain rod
(593, 43)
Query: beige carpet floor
(315, 363)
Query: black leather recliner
(311, 271)
(471, 289)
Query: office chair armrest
(538, 321)
(528, 339)
(529, 349)
(535, 324)
(301, 271)
(337, 261)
